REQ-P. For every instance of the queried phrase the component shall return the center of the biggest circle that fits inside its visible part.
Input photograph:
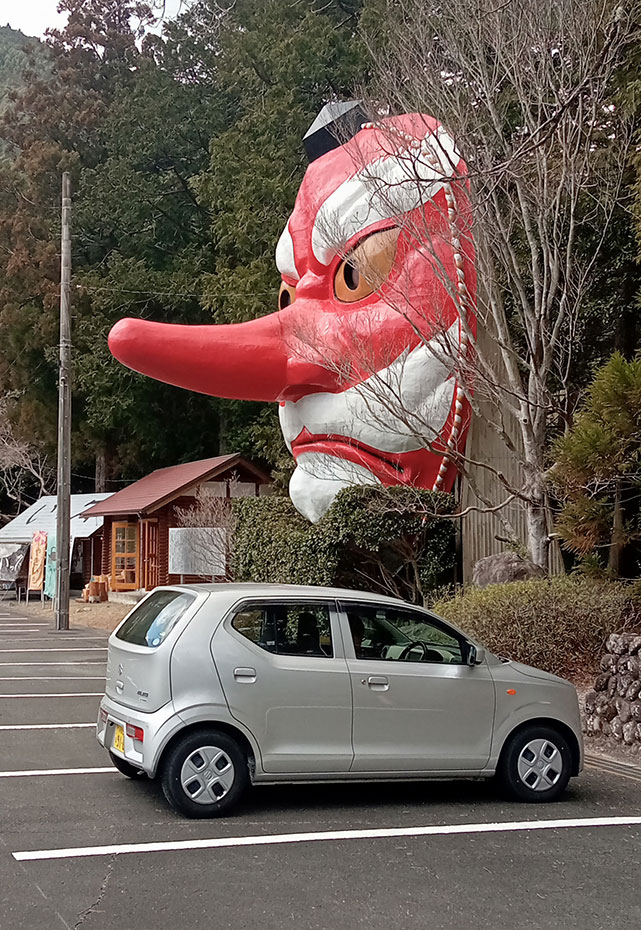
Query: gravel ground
(105, 616)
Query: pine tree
(597, 471)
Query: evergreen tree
(597, 471)
(19, 54)
(105, 113)
(279, 63)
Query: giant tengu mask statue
(375, 318)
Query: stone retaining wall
(613, 708)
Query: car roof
(256, 589)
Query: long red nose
(249, 361)
(283, 356)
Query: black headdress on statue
(335, 124)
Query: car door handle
(378, 682)
(245, 674)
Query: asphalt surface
(573, 876)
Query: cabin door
(149, 547)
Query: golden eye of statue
(366, 267)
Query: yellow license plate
(119, 739)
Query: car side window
(398, 635)
(293, 629)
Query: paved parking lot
(81, 846)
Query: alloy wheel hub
(540, 764)
(207, 775)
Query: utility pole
(63, 529)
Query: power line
(109, 480)
(272, 294)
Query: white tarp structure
(43, 515)
(198, 551)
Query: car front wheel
(535, 765)
(204, 774)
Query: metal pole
(63, 529)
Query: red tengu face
(376, 314)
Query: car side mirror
(475, 654)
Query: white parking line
(55, 694)
(42, 664)
(54, 678)
(11, 637)
(37, 773)
(60, 649)
(22, 629)
(47, 726)
(336, 835)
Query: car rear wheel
(126, 768)
(535, 765)
(204, 774)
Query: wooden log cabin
(138, 519)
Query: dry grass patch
(105, 616)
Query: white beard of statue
(317, 480)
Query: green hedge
(558, 624)
(273, 543)
(391, 540)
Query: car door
(416, 707)
(285, 677)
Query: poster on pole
(37, 558)
(50, 569)
(11, 559)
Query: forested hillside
(18, 55)
(14, 58)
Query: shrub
(389, 540)
(274, 544)
(559, 624)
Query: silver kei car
(212, 688)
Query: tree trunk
(616, 540)
(538, 541)
(626, 336)
(102, 471)
(536, 511)
(222, 430)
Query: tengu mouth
(386, 468)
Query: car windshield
(154, 618)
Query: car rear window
(154, 618)
(292, 628)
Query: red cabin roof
(165, 484)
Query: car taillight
(136, 733)
(104, 716)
